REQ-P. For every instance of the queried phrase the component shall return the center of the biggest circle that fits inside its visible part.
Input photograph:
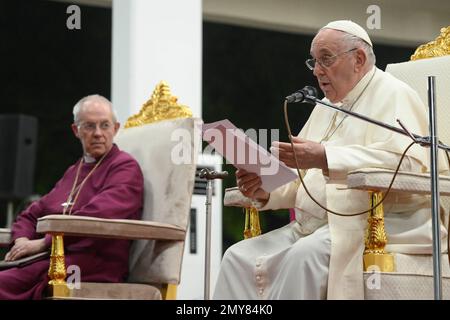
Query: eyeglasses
(325, 61)
(91, 126)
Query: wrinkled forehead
(327, 41)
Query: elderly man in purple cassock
(105, 183)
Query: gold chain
(328, 135)
(77, 189)
(328, 132)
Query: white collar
(350, 98)
(88, 158)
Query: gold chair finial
(161, 106)
(436, 48)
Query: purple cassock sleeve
(114, 191)
(25, 224)
(120, 196)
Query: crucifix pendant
(65, 205)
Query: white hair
(353, 41)
(93, 97)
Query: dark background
(46, 68)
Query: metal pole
(209, 175)
(434, 144)
(9, 214)
(208, 238)
(435, 191)
(417, 138)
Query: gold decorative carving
(57, 269)
(161, 106)
(376, 239)
(436, 48)
(252, 227)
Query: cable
(448, 224)
(288, 127)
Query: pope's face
(95, 128)
(337, 79)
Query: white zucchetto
(351, 28)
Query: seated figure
(105, 183)
(319, 254)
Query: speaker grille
(18, 139)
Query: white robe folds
(355, 144)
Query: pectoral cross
(65, 205)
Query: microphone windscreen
(311, 91)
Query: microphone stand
(209, 175)
(431, 141)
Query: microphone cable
(288, 127)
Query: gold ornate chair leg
(254, 222)
(57, 286)
(376, 239)
(247, 232)
(169, 292)
(252, 226)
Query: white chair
(155, 137)
(413, 275)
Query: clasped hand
(24, 247)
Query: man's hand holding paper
(250, 185)
(245, 154)
(309, 154)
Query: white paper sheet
(241, 151)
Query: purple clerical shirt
(115, 191)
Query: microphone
(211, 174)
(302, 95)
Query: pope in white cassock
(319, 255)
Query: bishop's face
(95, 128)
(335, 66)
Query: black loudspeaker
(18, 139)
